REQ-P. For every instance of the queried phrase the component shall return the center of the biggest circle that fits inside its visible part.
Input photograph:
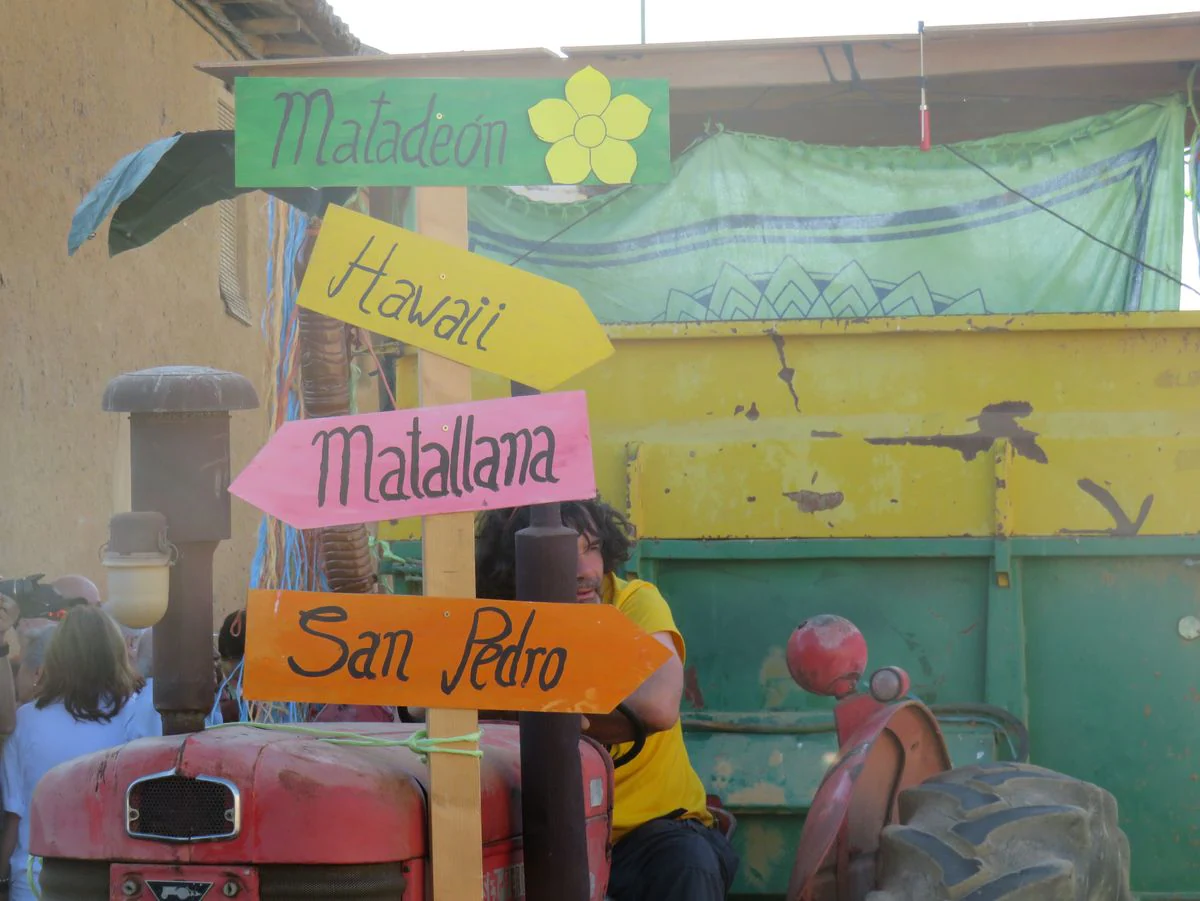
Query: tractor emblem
(178, 891)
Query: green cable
(419, 742)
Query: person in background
(33, 658)
(9, 615)
(82, 706)
(142, 658)
(131, 637)
(231, 648)
(666, 846)
(75, 586)
(69, 588)
(143, 655)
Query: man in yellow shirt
(665, 846)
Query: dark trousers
(672, 860)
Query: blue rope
(294, 574)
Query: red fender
(885, 748)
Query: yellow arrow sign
(450, 302)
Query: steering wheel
(639, 736)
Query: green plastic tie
(419, 742)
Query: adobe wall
(81, 85)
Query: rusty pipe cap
(137, 533)
(179, 389)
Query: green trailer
(1023, 543)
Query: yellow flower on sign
(590, 131)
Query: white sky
(401, 26)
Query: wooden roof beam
(288, 48)
(274, 25)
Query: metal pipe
(552, 812)
(179, 467)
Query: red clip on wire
(926, 134)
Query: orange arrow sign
(473, 654)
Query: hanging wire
(874, 95)
(1193, 161)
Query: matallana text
(456, 461)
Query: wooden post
(448, 552)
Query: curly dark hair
(495, 542)
(231, 640)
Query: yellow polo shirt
(660, 779)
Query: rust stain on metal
(815, 501)
(994, 421)
(691, 688)
(786, 373)
(1122, 525)
(1169, 378)
(972, 327)
(299, 785)
(818, 434)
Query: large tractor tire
(1004, 832)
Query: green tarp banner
(759, 228)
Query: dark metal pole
(179, 467)
(552, 814)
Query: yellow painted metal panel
(890, 428)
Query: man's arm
(10, 614)
(8, 700)
(656, 701)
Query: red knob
(889, 684)
(827, 655)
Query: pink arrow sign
(421, 462)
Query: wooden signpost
(448, 570)
(330, 132)
(456, 304)
(460, 310)
(449, 459)
(466, 654)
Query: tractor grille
(172, 808)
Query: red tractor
(279, 815)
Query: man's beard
(588, 590)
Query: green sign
(325, 132)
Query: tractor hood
(258, 796)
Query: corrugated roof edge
(332, 32)
(333, 36)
